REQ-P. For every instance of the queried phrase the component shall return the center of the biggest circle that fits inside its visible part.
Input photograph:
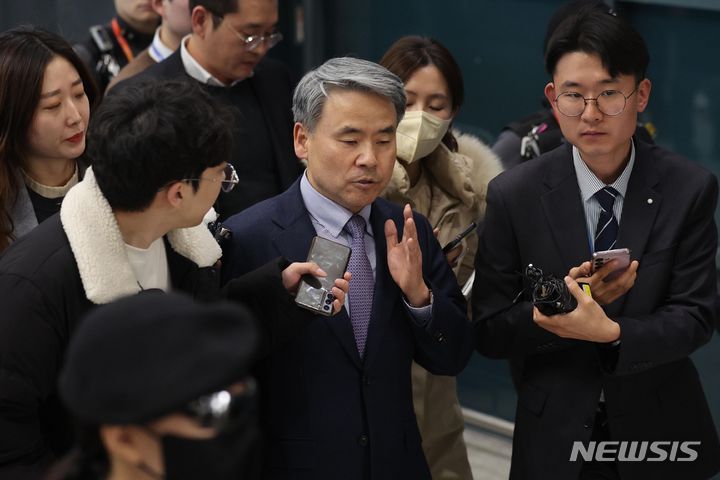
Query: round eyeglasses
(251, 42)
(609, 102)
(228, 183)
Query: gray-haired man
(337, 397)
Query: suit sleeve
(686, 319)
(443, 346)
(30, 356)
(502, 320)
(278, 318)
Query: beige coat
(451, 193)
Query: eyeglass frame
(248, 40)
(215, 409)
(227, 184)
(586, 100)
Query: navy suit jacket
(328, 414)
(652, 391)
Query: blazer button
(439, 337)
(366, 380)
(363, 440)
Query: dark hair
(25, 53)
(592, 27)
(151, 133)
(218, 8)
(411, 53)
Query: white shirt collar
(158, 51)
(589, 183)
(197, 71)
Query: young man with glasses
(617, 368)
(134, 223)
(226, 53)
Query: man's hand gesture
(404, 260)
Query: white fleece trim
(99, 249)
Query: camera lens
(326, 307)
(330, 296)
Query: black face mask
(231, 455)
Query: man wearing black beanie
(161, 387)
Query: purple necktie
(362, 284)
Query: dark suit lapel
(293, 242)
(563, 209)
(640, 207)
(386, 291)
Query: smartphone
(601, 258)
(315, 293)
(456, 241)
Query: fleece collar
(99, 249)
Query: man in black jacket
(607, 390)
(158, 153)
(110, 47)
(226, 54)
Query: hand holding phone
(315, 293)
(622, 255)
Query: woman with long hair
(443, 175)
(46, 95)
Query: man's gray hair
(344, 73)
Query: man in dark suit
(226, 53)
(337, 397)
(617, 368)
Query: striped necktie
(607, 226)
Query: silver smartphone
(315, 293)
(601, 258)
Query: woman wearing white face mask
(444, 177)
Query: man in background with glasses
(226, 53)
(617, 368)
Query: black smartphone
(456, 241)
(315, 293)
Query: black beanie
(146, 356)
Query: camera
(548, 293)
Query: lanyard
(121, 40)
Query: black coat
(42, 299)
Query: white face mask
(418, 134)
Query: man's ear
(158, 7)
(121, 442)
(643, 94)
(200, 20)
(551, 95)
(174, 193)
(301, 138)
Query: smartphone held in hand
(601, 258)
(315, 293)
